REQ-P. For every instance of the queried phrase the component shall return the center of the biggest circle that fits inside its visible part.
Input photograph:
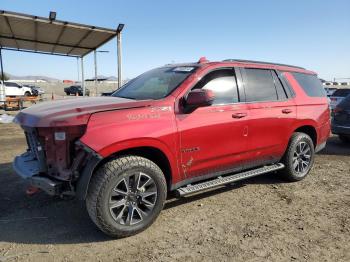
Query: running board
(219, 181)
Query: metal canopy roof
(23, 32)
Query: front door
(214, 138)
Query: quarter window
(311, 84)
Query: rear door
(272, 112)
(214, 138)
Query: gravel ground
(259, 219)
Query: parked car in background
(107, 93)
(181, 128)
(14, 89)
(341, 120)
(76, 90)
(110, 93)
(36, 91)
(330, 90)
(338, 96)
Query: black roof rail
(260, 62)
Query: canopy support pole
(78, 69)
(82, 76)
(2, 84)
(95, 61)
(119, 47)
(2, 67)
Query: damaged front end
(54, 159)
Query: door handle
(287, 111)
(239, 115)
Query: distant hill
(103, 78)
(51, 79)
(112, 78)
(45, 78)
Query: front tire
(299, 157)
(126, 195)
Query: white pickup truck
(14, 89)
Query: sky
(314, 34)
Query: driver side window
(223, 84)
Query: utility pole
(95, 61)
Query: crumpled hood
(72, 112)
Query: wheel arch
(152, 153)
(310, 130)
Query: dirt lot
(260, 219)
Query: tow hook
(32, 190)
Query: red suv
(183, 128)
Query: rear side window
(310, 84)
(341, 92)
(259, 85)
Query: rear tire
(126, 195)
(344, 138)
(299, 157)
(27, 93)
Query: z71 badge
(188, 150)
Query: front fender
(113, 131)
(110, 132)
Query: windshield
(155, 84)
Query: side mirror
(199, 98)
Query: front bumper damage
(27, 167)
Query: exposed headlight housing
(60, 136)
